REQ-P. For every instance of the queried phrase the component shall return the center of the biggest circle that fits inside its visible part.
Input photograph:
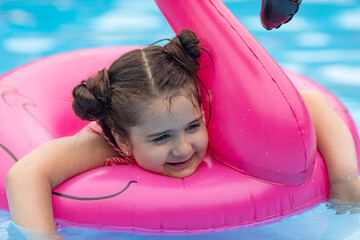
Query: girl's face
(170, 141)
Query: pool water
(321, 42)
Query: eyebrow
(167, 131)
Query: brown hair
(115, 98)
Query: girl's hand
(336, 145)
(40, 235)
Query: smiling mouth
(181, 164)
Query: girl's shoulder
(92, 138)
(118, 156)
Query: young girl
(146, 110)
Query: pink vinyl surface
(262, 164)
(269, 115)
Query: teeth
(177, 162)
(180, 162)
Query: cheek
(151, 158)
(203, 140)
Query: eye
(161, 139)
(193, 127)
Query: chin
(183, 173)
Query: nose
(182, 147)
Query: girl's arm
(337, 147)
(30, 181)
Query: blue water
(321, 42)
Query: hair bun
(92, 97)
(185, 50)
(190, 43)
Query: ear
(203, 113)
(123, 143)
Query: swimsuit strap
(122, 159)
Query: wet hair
(117, 97)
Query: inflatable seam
(282, 93)
(304, 206)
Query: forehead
(162, 114)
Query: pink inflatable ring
(229, 192)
